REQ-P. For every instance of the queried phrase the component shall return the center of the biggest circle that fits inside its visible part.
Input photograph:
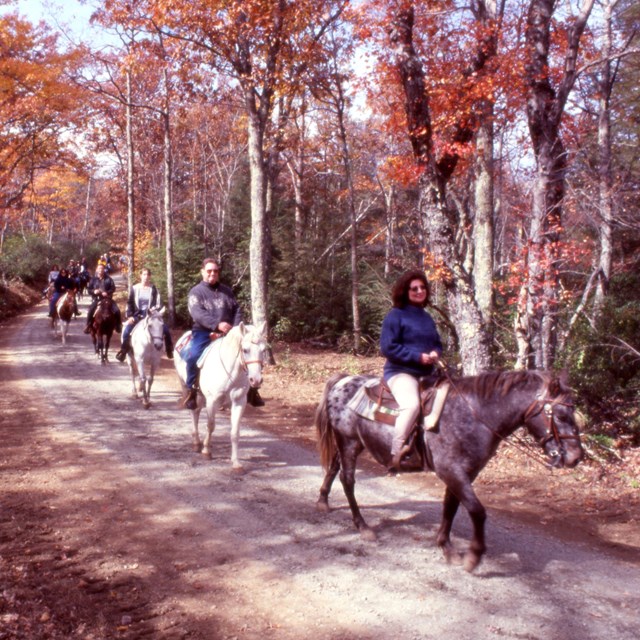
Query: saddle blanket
(183, 347)
(365, 407)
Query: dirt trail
(110, 527)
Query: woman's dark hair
(400, 291)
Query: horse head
(253, 345)
(552, 419)
(154, 324)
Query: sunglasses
(416, 289)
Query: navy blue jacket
(406, 334)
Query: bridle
(156, 341)
(244, 363)
(544, 405)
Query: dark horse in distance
(479, 413)
(102, 327)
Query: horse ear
(161, 310)
(556, 385)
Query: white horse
(62, 315)
(230, 366)
(147, 339)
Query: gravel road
(249, 555)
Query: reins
(538, 405)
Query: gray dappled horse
(479, 413)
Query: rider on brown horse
(102, 286)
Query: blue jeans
(199, 342)
(52, 303)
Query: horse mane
(232, 341)
(492, 383)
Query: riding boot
(396, 460)
(87, 329)
(253, 398)
(191, 401)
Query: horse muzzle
(563, 456)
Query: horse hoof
(453, 557)
(368, 535)
(322, 506)
(471, 561)
(196, 447)
(207, 455)
(146, 405)
(237, 469)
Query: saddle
(183, 346)
(382, 406)
(374, 401)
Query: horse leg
(323, 500)
(348, 456)
(147, 390)
(449, 509)
(211, 427)
(478, 515)
(237, 409)
(195, 435)
(133, 373)
(105, 354)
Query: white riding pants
(406, 391)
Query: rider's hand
(224, 327)
(429, 358)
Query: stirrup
(396, 461)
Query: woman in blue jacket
(412, 346)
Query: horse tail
(324, 428)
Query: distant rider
(63, 283)
(142, 296)
(102, 286)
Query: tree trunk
(440, 222)
(167, 198)
(87, 210)
(483, 230)
(545, 107)
(257, 245)
(605, 177)
(130, 186)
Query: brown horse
(104, 322)
(480, 413)
(62, 314)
